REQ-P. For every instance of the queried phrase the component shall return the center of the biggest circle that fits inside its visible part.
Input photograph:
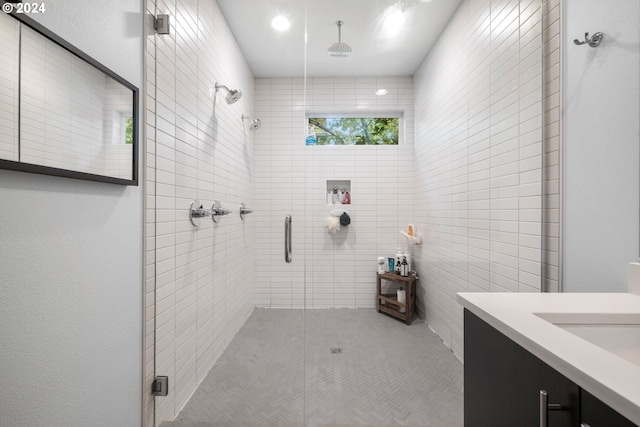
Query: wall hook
(593, 41)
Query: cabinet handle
(544, 398)
(545, 407)
(287, 239)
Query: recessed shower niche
(339, 192)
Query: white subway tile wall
(552, 143)
(478, 159)
(196, 148)
(9, 62)
(291, 179)
(471, 182)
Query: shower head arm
(218, 86)
(232, 95)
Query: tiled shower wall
(203, 277)
(479, 159)
(552, 171)
(291, 179)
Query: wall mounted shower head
(255, 123)
(233, 95)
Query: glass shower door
(433, 124)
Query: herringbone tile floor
(388, 374)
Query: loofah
(333, 224)
(345, 219)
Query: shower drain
(335, 350)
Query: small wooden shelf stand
(391, 305)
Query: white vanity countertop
(610, 378)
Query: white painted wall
(202, 278)
(71, 257)
(601, 145)
(291, 179)
(478, 146)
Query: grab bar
(287, 239)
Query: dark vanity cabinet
(503, 381)
(506, 386)
(595, 413)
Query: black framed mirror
(63, 113)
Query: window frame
(357, 114)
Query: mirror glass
(61, 113)
(9, 68)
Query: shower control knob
(244, 211)
(218, 210)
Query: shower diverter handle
(244, 210)
(218, 210)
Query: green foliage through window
(355, 131)
(128, 133)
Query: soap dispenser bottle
(398, 261)
(404, 267)
(311, 136)
(407, 255)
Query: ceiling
(387, 37)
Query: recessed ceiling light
(280, 23)
(381, 92)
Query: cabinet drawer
(502, 382)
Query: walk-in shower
(249, 333)
(255, 123)
(233, 95)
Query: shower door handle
(287, 239)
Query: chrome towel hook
(593, 41)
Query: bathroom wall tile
(293, 180)
(206, 273)
(478, 159)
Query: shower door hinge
(161, 24)
(160, 386)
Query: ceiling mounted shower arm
(339, 50)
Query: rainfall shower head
(255, 123)
(339, 50)
(233, 95)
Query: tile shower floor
(387, 374)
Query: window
(353, 130)
(121, 129)
(128, 130)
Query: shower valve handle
(220, 211)
(217, 210)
